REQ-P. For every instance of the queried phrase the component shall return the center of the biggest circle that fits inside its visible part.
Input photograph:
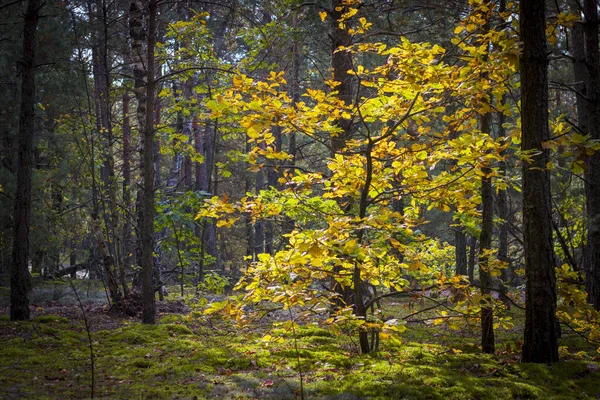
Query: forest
(289, 199)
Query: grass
(197, 357)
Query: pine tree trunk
(100, 69)
(20, 280)
(590, 27)
(540, 341)
(485, 244)
(143, 70)
(127, 238)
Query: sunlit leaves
(408, 144)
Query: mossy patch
(45, 319)
(178, 329)
(195, 356)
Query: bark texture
(20, 280)
(143, 70)
(460, 244)
(485, 245)
(590, 27)
(540, 342)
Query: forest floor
(189, 355)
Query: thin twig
(89, 336)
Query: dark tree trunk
(485, 245)
(460, 244)
(143, 64)
(341, 63)
(20, 280)
(502, 202)
(104, 128)
(210, 142)
(247, 217)
(294, 89)
(259, 225)
(485, 240)
(472, 256)
(127, 238)
(540, 342)
(590, 27)
(272, 182)
(147, 226)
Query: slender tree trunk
(272, 182)
(148, 302)
(210, 142)
(502, 201)
(485, 238)
(472, 256)
(485, 245)
(98, 14)
(127, 238)
(341, 63)
(590, 27)
(540, 342)
(247, 218)
(259, 225)
(143, 69)
(20, 280)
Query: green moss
(178, 329)
(142, 364)
(169, 361)
(313, 331)
(171, 319)
(45, 319)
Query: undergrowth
(196, 356)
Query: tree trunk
(471, 261)
(540, 341)
(502, 200)
(111, 253)
(341, 63)
(144, 76)
(272, 182)
(590, 27)
(460, 244)
(247, 218)
(20, 280)
(127, 238)
(259, 225)
(485, 245)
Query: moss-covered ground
(193, 356)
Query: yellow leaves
(350, 246)
(323, 16)
(421, 155)
(348, 14)
(226, 222)
(471, 28)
